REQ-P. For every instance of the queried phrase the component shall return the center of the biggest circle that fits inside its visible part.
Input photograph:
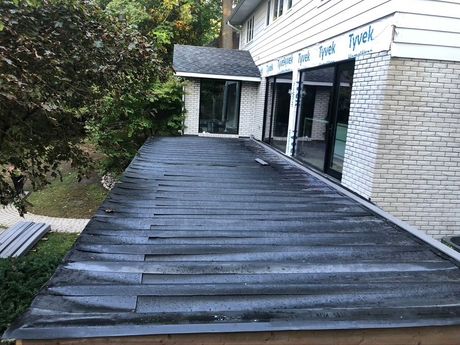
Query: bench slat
(20, 238)
(36, 236)
(11, 234)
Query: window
(219, 106)
(278, 8)
(289, 4)
(250, 29)
(269, 5)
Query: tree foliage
(60, 61)
(126, 120)
(99, 69)
(169, 22)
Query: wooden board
(402, 336)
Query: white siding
(427, 29)
(306, 24)
(423, 28)
(260, 17)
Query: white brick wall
(259, 110)
(192, 105)
(364, 123)
(248, 118)
(318, 128)
(417, 175)
(403, 148)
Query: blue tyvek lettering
(363, 37)
(285, 61)
(327, 51)
(304, 57)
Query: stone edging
(9, 216)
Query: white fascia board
(217, 76)
(371, 207)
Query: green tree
(59, 61)
(125, 120)
(169, 22)
(150, 108)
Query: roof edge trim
(405, 226)
(217, 76)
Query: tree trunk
(226, 36)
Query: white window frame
(250, 30)
(278, 8)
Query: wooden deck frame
(400, 336)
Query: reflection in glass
(281, 106)
(313, 117)
(219, 106)
(343, 112)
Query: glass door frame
(264, 126)
(239, 86)
(224, 113)
(331, 127)
(269, 110)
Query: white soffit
(243, 10)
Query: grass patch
(21, 278)
(68, 198)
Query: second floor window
(250, 29)
(269, 7)
(289, 4)
(278, 6)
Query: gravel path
(9, 216)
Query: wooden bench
(20, 238)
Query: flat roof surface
(214, 61)
(203, 239)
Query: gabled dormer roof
(214, 63)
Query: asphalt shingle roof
(203, 239)
(214, 61)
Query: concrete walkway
(10, 216)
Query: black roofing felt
(214, 61)
(205, 239)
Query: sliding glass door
(322, 117)
(341, 110)
(316, 89)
